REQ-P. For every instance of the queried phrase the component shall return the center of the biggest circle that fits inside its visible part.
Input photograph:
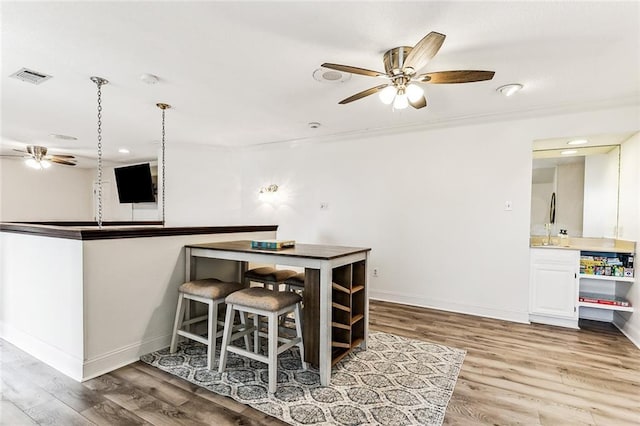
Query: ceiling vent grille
(30, 76)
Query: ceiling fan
(401, 66)
(37, 158)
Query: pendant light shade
(401, 101)
(414, 92)
(387, 94)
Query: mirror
(574, 186)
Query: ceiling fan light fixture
(414, 92)
(37, 164)
(387, 94)
(401, 101)
(509, 89)
(32, 163)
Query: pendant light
(163, 107)
(99, 83)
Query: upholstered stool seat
(270, 304)
(296, 281)
(212, 292)
(268, 276)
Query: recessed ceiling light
(577, 142)
(314, 125)
(509, 89)
(325, 75)
(569, 152)
(63, 137)
(123, 151)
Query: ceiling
(240, 73)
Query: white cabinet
(553, 286)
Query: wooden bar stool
(295, 282)
(211, 292)
(268, 276)
(270, 304)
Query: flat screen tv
(135, 184)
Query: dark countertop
(117, 230)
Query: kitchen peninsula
(87, 300)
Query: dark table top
(314, 251)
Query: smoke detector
(326, 75)
(30, 76)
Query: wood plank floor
(512, 374)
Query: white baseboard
(558, 322)
(481, 311)
(631, 331)
(43, 351)
(74, 367)
(113, 360)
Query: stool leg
(256, 337)
(177, 323)
(243, 320)
(226, 338)
(273, 352)
(298, 319)
(213, 330)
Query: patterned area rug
(396, 381)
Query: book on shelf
(272, 244)
(603, 299)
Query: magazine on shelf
(603, 299)
(272, 244)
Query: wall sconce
(268, 193)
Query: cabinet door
(554, 283)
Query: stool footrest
(248, 354)
(195, 320)
(193, 336)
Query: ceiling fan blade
(60, 161)
(420, 103)
(460, 76)
(424, 50)
(20, 150)
(362, 94)
(353, 70)
(13, 156)
(62, 156)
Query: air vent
(30, 76)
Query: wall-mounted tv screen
(135, 184)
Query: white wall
(41, 298)
(630, 230)
(204, 186)
(570, 198)
(430, 203)
(57, 193)
(601, 195)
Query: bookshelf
(610, 290)
(348, 309)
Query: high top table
(336, 307)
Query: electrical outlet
(375, 272)
(324, 205)
(508, 206)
